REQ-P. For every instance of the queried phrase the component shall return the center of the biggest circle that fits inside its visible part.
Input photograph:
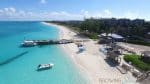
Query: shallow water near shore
(18, 65)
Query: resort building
(148, 35)
(111, 37)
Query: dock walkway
(30, 43)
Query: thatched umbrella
(114, 55)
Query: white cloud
(107, 12)
(12, 13)
(131, 15)
(7, 11)
(61, 15)
(54, 13)
(43, 1)
(13, 10)
(22, 13)
(99, 14)
(85, 13)
(1, 11)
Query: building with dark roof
(111, 37)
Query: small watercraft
(44, 66)
(27, 43)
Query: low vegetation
(137, 62)
(139, 42)
(91, 35)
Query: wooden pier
(31, 43)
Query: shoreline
(65, 47)
(83, 72)
(91, 62)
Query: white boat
(27, 43)
(44, 66)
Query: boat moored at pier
(27, 43)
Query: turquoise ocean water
(18, 65)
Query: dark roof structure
(113, 35)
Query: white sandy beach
(91, 62)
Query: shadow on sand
(78, 52)
(111, 63)
(81, 36)
(13, 58)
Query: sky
(73, 9)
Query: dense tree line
(137, 28)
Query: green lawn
(137, 62)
